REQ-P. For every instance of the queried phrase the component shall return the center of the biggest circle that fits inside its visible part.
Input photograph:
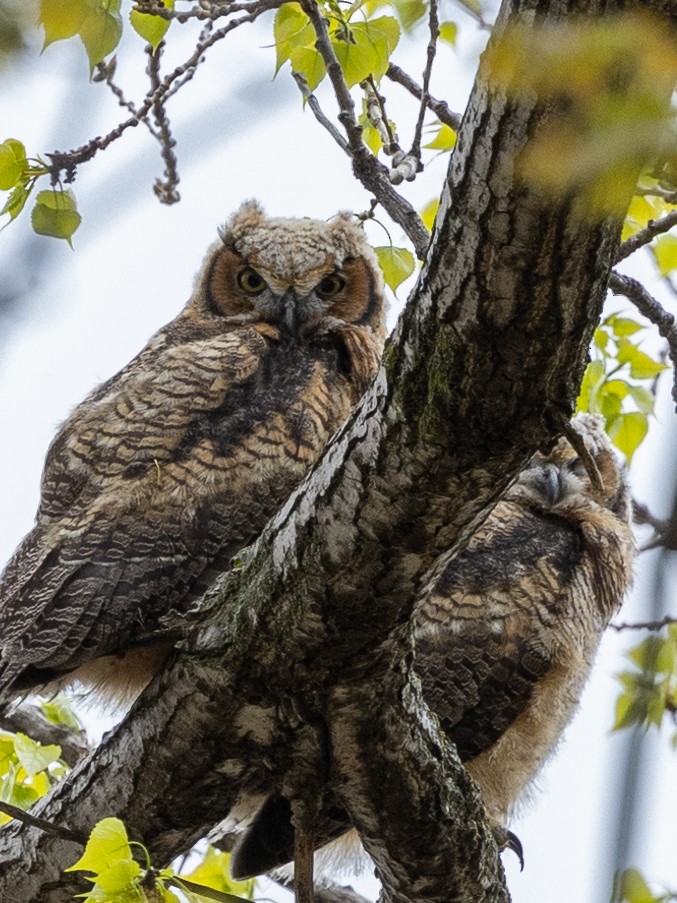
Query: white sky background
(86, 313)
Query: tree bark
(298, 675)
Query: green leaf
(55, 214)
(214, 872)
(97, 22)
(309, 63)
(13, 163)
(118, 877)
(397, 264)
(665, 252)
(371, 137)
(623, 326)
(107, 845)
(444, 140)
(429, 213)
(627, 432)
(33, 756)
(366, 49)
(448, 32)
(57, 710)
(100, 30)
(641, 365)
(643, 398)
(151, 28)
(291, 30)
(16, 202)
(588, 398)
(631, 887)
(61, 20)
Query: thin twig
(647, 305)
(438, 107)
(212, 13)
(367, 169)
(670, 197)
(376, 111)
(47, 826)
(316, 109)
(654, 228)
(434, 32)
(68, 161)
(165, 190)
(105, 73)
(645, 625)
(578, 444)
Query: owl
(505, 639)
(163, 473)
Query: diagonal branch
(647, 305)
(655, 227)
(439, 107)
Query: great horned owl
(174, 464)
(506, 638)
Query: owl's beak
(289, 311)
(549, 481)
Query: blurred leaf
(410, 12)
(627, 432)
(33, 756)
(641, 365)
(397, 264)
(57, 710)
(623, 326)
(448, 33)
(55, 214)
(665, 252)
(630, 887)
(97, 22)
(151, 28)
(214, 872)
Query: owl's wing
(484, 636)
(121, 534)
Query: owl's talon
(508, 840)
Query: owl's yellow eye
(330, 285)
(250, 281)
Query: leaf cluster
(28, 770)
(619, 383)
(649, 688)
(117, 877)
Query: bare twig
(654, 228)
(314, 105)
(647, 305)
(68, 161)
(434, 32)
(645, 625)
(206, 13)
(47, 826)
(165, 190)
(670, 197)
(367, 169)
(105, 73)
(438, 107)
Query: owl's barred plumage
(506, 638)
(163, 473)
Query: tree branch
(654, 228)
(647, 305)
(439, 107)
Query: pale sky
(86, 312)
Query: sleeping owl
(505, 639)
(173, 465)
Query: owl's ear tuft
(247, 216)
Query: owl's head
(296, 274)
(560, 478)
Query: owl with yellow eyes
(163, 473)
